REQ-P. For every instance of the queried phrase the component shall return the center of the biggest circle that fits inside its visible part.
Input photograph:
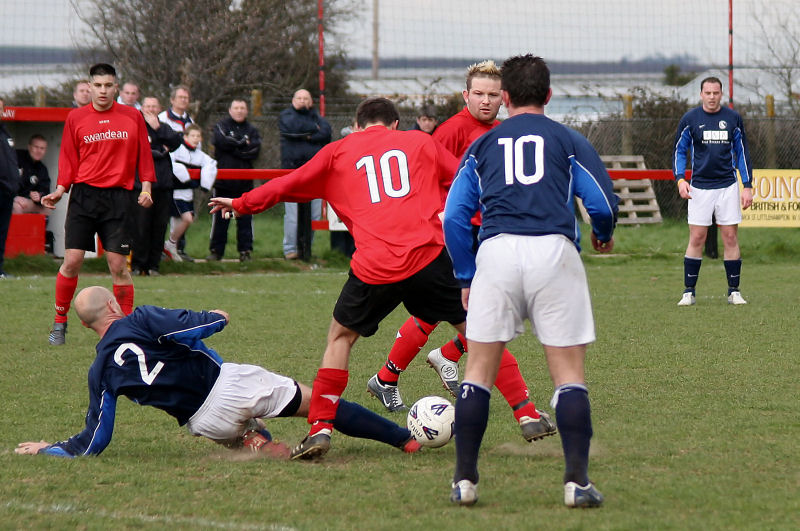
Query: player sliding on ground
(156, 357)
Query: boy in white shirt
(189, 155)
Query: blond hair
(486, 68)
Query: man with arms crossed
(103, 146)
(156, 357)
(387, 187)
(523, 174)
(482, 99)
(719, 148)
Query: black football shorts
(432, 294)
(103, 211)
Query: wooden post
(255, 102)
(772, 158)
(40, 99)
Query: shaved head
(91, 304)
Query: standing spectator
(303, 133)
(81, 95)
(34, 178)
(374, 179)
(129, 95)
(151, 223)
(189, 155)
(177, 117)
(523, 175)
(103, 146)
(426, 119)
(9, 183)
(719, 148)
(237, 144)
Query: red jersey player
(102, 147)
(387, 187)
(482, 98)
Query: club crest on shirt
(723, 124)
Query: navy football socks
(691, 270)
(472, 415)
(357, 421)
(733, 270)
(574, 418)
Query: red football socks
(328, 388)
(513, 388)
(65, 289)
(124, 296)
(411, 337)
(453, 350)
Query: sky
(568, 30)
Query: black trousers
(150, 226)
(6, 207)
(219, 234)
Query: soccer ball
(430, 421)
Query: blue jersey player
(523, 175)
(156, 357)
(719, 148)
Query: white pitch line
(68, 508)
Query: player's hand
(465, 298)
(30, 448)
(36, 197)
(145, 200)
(50, 200)
(223, 205)
(224, 314)
(747, 198)
(683, 189)
(602, 247)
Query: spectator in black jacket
(9, 183)
(34, 178)
(237, 144)
(151, 223)
(303, 133)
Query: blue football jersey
(523, 175)
(719, 148)
(155, 357)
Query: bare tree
(779, 26)
(219, 48)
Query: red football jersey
(386, 186)
(461, 130)
(104, 148)
(457, 133)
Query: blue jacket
(303, 133)
(9, 169)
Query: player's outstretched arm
(30, 448)
(224, 205)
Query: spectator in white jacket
(189, 156)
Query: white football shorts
(539, 278)
(241, 393)
(723, 203)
